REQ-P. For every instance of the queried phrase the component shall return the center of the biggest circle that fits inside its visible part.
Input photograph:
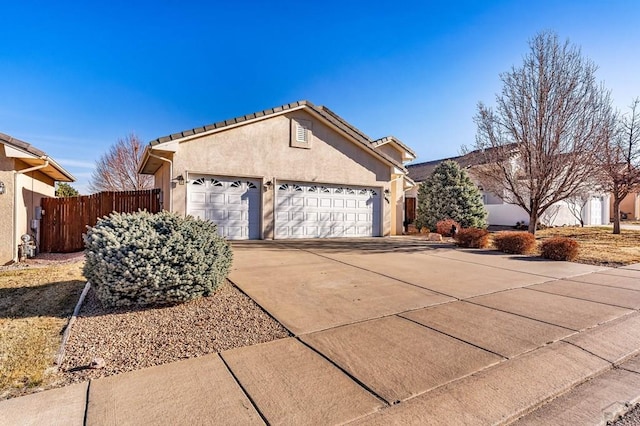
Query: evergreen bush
(514, 242)
(473, 238)
(146, 259)
(449, 193)
(559, 248)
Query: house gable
(269, 147)
(166, 145)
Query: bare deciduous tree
(540, 141)
(117, 170)
(620, 159)
(576, 205)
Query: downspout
(170, 178)
(15, 200)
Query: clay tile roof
(229, 122)
(17, 143)
(22, 145)
(390, 138)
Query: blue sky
(76, 76)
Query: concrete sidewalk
(392, 331)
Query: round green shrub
(147, 259)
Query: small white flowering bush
(147, 259)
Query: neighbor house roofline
(421, 171)
(34, 153)
(322, 112)
(396, 141)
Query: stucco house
(294, 171)
(26, 176)
(629, 207)
(592, 209)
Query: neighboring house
(26, 176)
(294, 171)
(592, 208)
(629, 207)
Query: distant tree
(117, 170)
(64, 189)
(619, 159)
(449, 193)
(540, 142)
(576, 205)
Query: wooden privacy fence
(64, 220)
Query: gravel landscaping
(132, 338)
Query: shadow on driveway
(339, 245)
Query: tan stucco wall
(6, 209)
(391, 152)
(630, 204)
(162, 180)
(33, 186)
(262, 150)
(397, 216)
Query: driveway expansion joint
(452, 336)
(352, 377)
(249, 397)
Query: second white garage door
(305, 210)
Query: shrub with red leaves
(472, 238)
(559, 248)
(514, 242)
(443, 227)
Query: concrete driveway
(399, 331)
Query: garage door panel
(217, 215)
(217, 199)
(325, 211)
(233, 204)
(234, 232)
(200, 214)
(234, 199)
(236, 215)
(198, 197)
(297, 216)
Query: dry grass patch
(598, 246)
(35, 305)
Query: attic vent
(301, 133)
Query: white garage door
(305, 210)
(231, 203)
(595, 213)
